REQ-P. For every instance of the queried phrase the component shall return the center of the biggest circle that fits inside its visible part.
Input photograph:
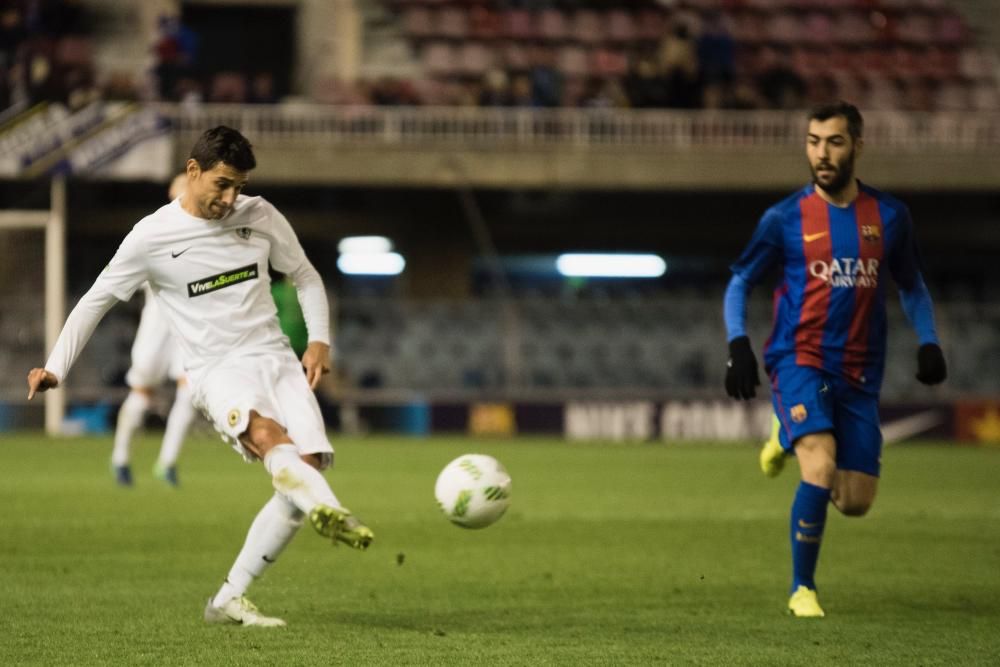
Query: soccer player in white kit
(205, 257)
(155, 357)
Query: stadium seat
(518, 24)
(485, 23)
(474, 58)
(852, 28)
(552, 25)
(573, 61)
(951, 30)
(785, 28)
(417, 22)
(452, 23)
(587, 27)
(650, 24)
(439, 58)
(620, 27)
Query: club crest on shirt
(234, 417)
(799, 413)
(871, 233)
(243, 232)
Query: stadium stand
(761, 54)
(665, 343)
(918, 55)
(46, 54)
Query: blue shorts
(809, 400)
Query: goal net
(32, 305)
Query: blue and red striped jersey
(829, 306)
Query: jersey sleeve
(79, 327)
(288, 257)
(904, 259)
(763, 251)
(286, 251)
(127, 270)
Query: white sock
(178, 422)
(130, 418)
(297, 480)
(272, 530)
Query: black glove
(741, 370)
(931, 368)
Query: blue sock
(808, 520)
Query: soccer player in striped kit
(836, 242)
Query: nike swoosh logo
(807, 526)
(175, 255)
(268, 560)
(809, 238)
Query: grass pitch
(644, 554)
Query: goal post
(53, 224)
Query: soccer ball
(473, 490)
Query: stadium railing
(579, 128)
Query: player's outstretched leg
(271, 531)
(308, 490)
(772, 456)
(130, 416)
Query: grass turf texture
(609, 555)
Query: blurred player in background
(835, 241)
(333, 386)
(205, 256)
(289, 312)
(155, 358)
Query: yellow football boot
(804, 604)
(340, 525)
(772, 456)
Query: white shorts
(274, 385)
(155, 355)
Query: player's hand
(742, 377)
(40, 380)
(316, 362)
(931, 368)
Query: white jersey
(211, 279)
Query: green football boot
(341, 526)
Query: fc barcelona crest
(243, 232)
(871, 233)
(799, 413)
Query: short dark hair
(855, 123)
(223, 144)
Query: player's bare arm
(40, 380)
(316, 362)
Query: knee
(821, 471)
(315, 460)
(264, 432)
(817, 459)
(852, 508)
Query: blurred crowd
(641, 54)
(915, 55)
(45, 53)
